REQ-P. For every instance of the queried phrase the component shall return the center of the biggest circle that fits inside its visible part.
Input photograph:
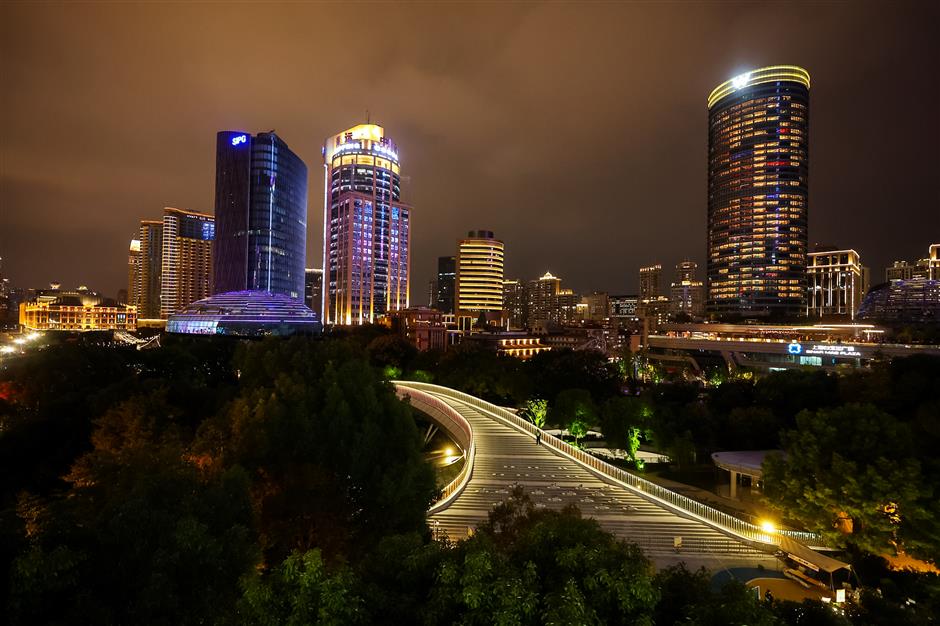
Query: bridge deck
(505, 456)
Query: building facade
(911, 301)
(686, 294)
(934, 261)
(650, 281)
(151, 266)
(597, 306)
(479, 285)
(133, 273)
(76, 310)
(836, 283)
(550, 305)
(186, 274)
(515, 304)
(623, 308)
(758, 193)
(366, 228)
(313, 290)
(260, 215)
(446, 284)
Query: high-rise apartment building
(186, 274)
(650, 281)
(151, 266)
(549, 304)
(686, 294)
(758, 193)
(366, 228)
(446, 284)
(133, 273)
(836, 283)
(313, 290)
(515, 305)
(934, 261)
(260, 215)
(479, 286)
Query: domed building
(245, 314)
(913, 301)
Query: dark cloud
(576, 131)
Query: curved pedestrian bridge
(502, 452)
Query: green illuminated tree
(535, 410)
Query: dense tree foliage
(281, 482)
(190, 468)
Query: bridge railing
(642, 487)
(427, 402)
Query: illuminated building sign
(239, 139)
(837, 350)
(795, 347)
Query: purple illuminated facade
(245, 314)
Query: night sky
(576, 132)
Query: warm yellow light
(449, 452)
(768, 527)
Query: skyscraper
(260, 215)
(758, 193)
(151, 266)
(686, 294)
(550, 305)
(650, 281)
(479, 283)
(366, 228)
(446, 283)
(186, 274)
(133, 273)
(515, 304)
(313, 290)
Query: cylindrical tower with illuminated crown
(366, 229)
(758, 193)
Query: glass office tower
(260, 215)
(366, 228)
(758, 193)
(446, 282)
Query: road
(506, 457)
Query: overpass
(501, 452)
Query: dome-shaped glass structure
(245, 314)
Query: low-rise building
(422, 326)
(76, 310)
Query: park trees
(334, 457)
(851, 474)
(529, 566)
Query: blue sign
(795, 347)
(239, 139)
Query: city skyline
(653, 117)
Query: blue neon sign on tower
(795, 347)
(239, 139)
